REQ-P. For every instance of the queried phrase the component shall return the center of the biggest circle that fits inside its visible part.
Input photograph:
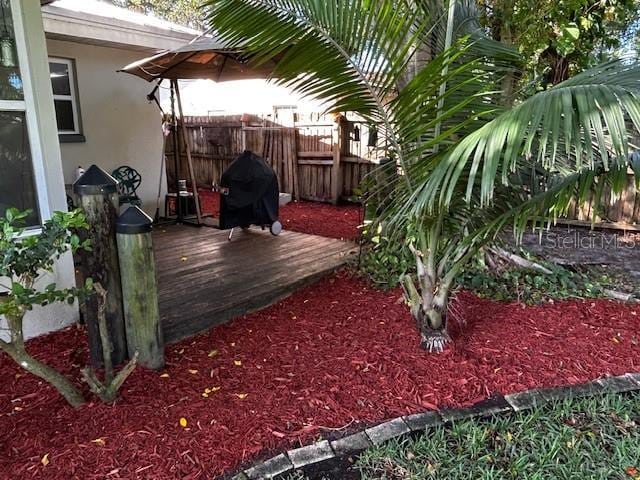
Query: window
(65, 98)
(17, 180)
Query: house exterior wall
(46, 157)
(120, 126)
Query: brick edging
(325, 450)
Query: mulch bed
(335, 221)
(315, 218)
(335, 355)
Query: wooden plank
(352, 159)
(266, 294)
(336, 169)
(294, 160)
(601, 225)
(207, 272)
(324, 163)
(316, 154)
(272, 276)
(227, 283)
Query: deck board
(205, 280)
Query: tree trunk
(428, 308)
(16, 350)
(559, 67)
(48, 374)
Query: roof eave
(62, 24)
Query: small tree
(472, 164)
(24, 259)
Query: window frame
(28, 107)
(73, 97)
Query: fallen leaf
(45, 460)
(237, 363)
(213, 353)
(632, 471)
(242, 396)
(164, 375)
(99, 441)
(183, 422)
(193, 372)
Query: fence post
(336, 168)
(140, 288)
(98, 196)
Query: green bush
(532, 286)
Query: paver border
(354, 443)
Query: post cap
(95, 181)
(134, 221)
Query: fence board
(300, 152)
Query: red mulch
(323, 219)
(335, 354)
(315, 218)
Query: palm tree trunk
(429, 300)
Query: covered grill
(249, 194)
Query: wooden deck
(205, 280)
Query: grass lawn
(587, 439)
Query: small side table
(184, 206)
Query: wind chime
(7, 51)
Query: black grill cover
(249, 193)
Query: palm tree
(471, 164)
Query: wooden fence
(319, 158)
(621, 212)
(315, 157)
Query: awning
(204, 58)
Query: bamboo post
(192, 174)
(140, 288)
(98, 196)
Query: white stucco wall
(47, 163)
(121, 127)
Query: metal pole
(185, 138)
(176, 151)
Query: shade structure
(205, 58)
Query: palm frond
(582, 121)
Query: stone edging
(325, 450)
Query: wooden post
(140, 288)
(192, 174)
(98, 196)
(294, 152)
(336, 168)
